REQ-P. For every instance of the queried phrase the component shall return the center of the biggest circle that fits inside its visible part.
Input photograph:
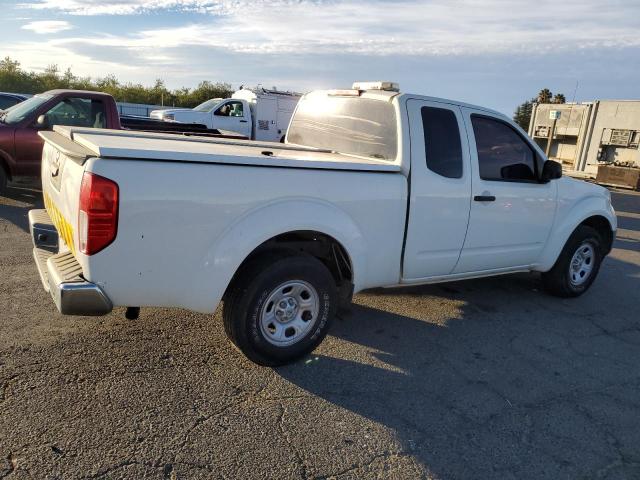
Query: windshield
(350, 125)
(19, 112)
(208, 105)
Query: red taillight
(98, 213)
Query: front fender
(258, 225)
(567, 222)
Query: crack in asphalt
(386, 456)
(285, 434)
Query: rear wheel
(3, 181)
(577, 266)
(280, 310)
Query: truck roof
(453, 102)
(387, 95)
(16, 95)
(259, 90)
(61, 91)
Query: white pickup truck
(373, 188)
(256, 113)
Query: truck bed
(127, 145)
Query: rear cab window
(78, 112)
(362, 127)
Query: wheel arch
(311, 226)
(601, 225)
(591, 212)
(4, 164)
(319, 245)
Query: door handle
(243, 121)
(484, 198)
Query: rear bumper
(61, 274)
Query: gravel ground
(468, 380)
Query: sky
(495, 53)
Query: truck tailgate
(62, 170)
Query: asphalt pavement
(483, 379)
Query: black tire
(256, 284)
(3, 181)
(561, 281)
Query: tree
(545, 96)
(50, 79)
(160, 93)
(68, 78)
(14, 79)
(522, 115)
(9, 66)
(559, 98)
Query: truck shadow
(489, 378)
(627, 207)
(17, 202)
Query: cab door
(440, 184)
(28, 150)
(233, 115)
(511, 210)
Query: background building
(589, 132)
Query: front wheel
(280, 310)
(577, 266)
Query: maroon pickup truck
(21, 147)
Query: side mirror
(42, 122)
(551, 171)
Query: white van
(256, 113)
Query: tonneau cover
(120, 144)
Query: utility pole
(553, 115)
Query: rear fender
(257, 226)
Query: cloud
(406, 27)
(47, 26)
(300, 43)
(135, 7)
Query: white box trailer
(257, 113)
(271, 111)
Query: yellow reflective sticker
(65, 230)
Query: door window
(230, 109)
(442, 142)
(503, 155)
(78, 112)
